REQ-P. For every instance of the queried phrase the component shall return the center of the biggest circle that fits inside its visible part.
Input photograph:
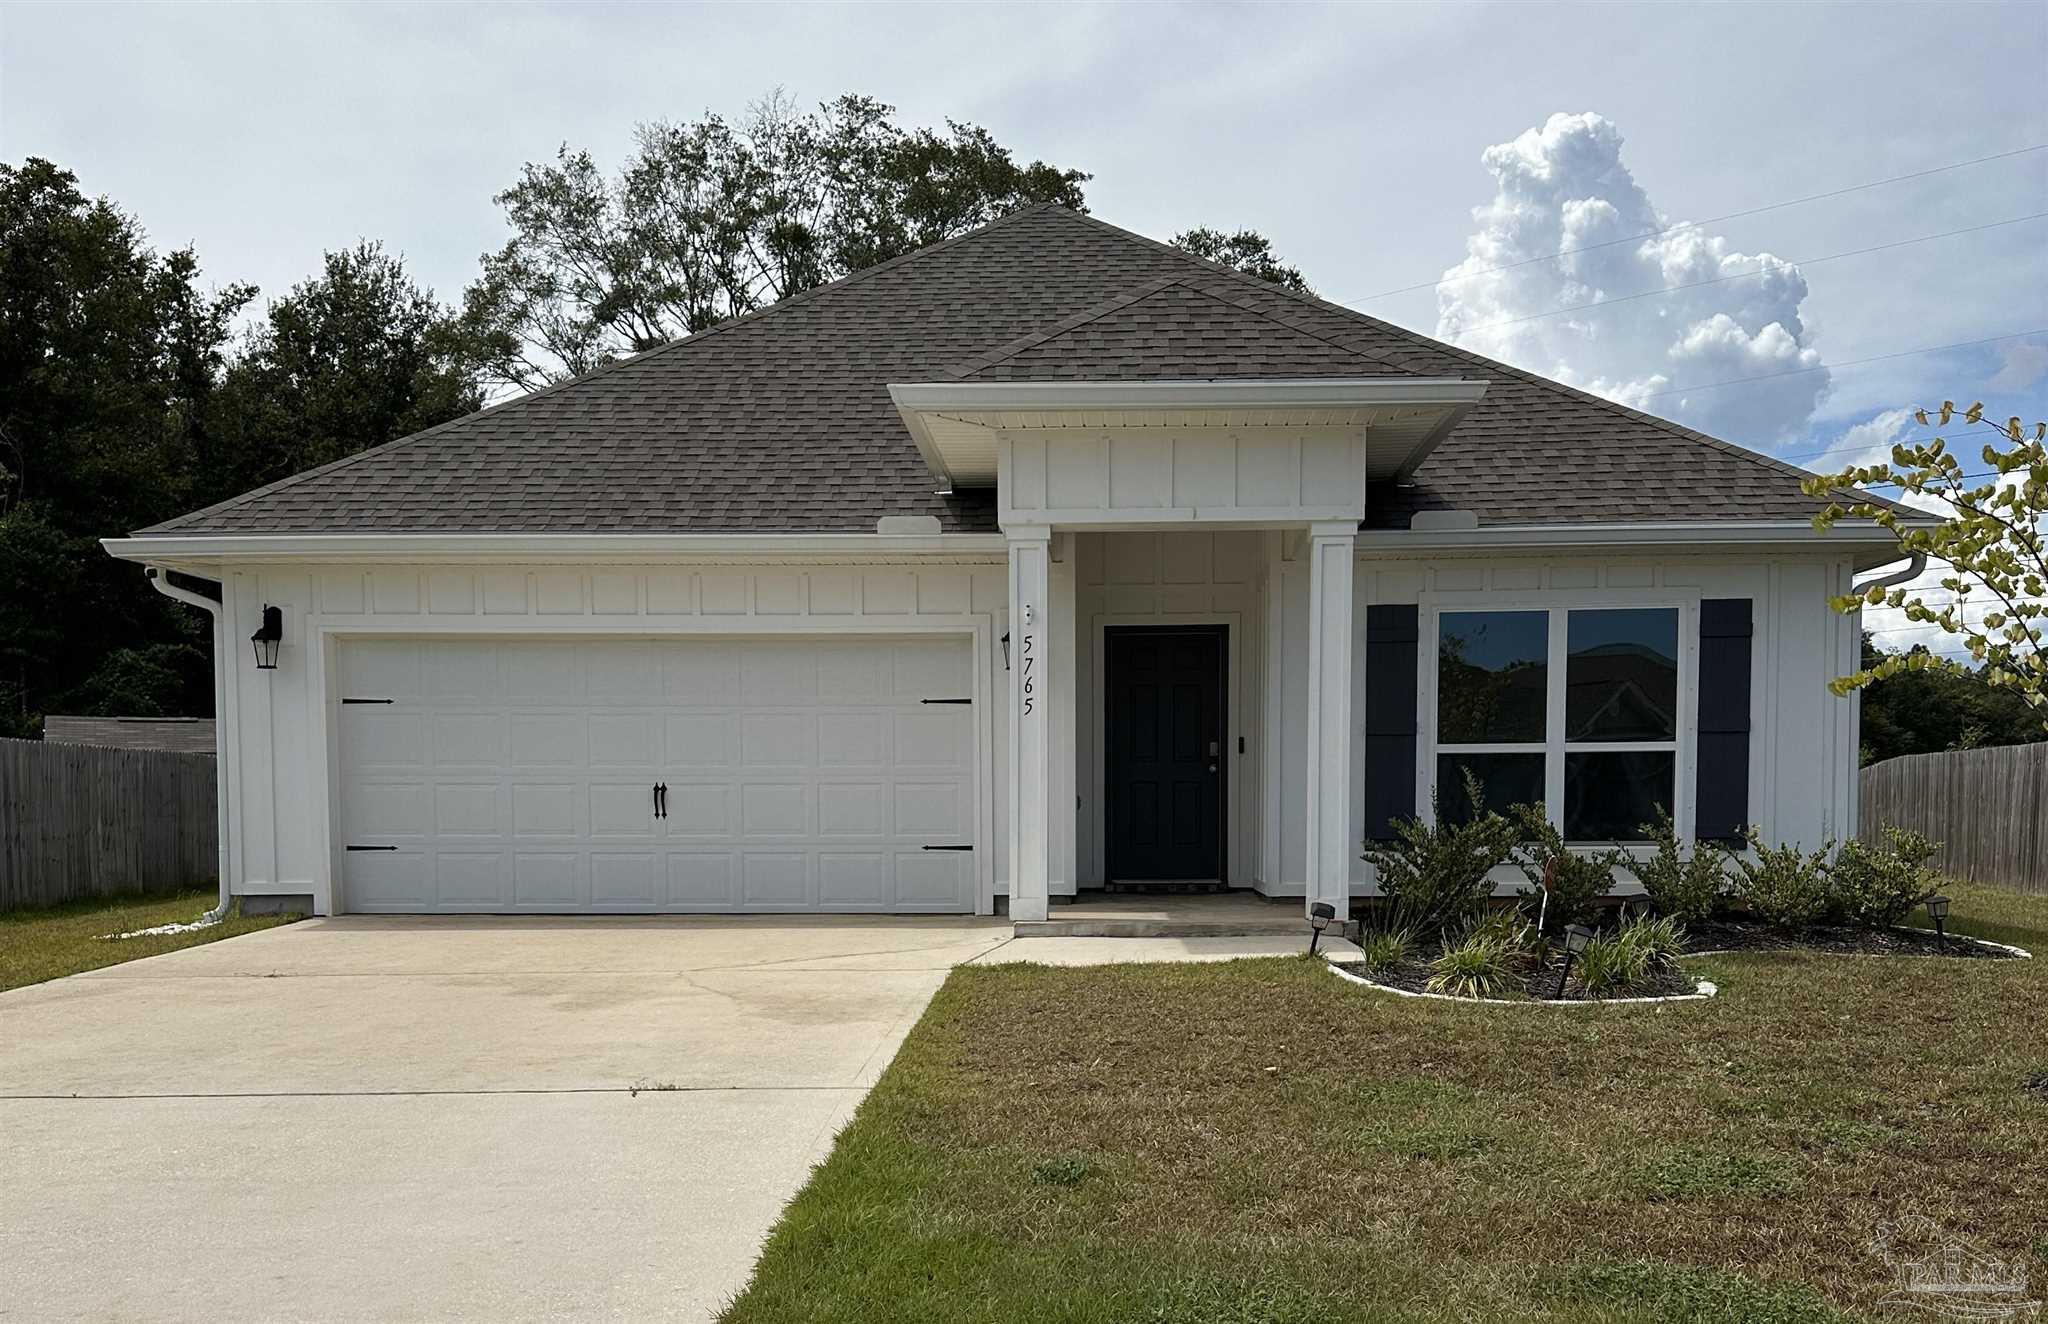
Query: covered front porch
(1180, 619)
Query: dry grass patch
(1260, 1141)
(45, 943)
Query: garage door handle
(661, 799)
(948, 848)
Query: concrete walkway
(429, 1119)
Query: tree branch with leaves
(1986, 528)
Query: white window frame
(1554, 746)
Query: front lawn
(62, 940)
(1261, 1141)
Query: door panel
(1165, 718)
(801, 774)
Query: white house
(1044, 557)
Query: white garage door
(521, 775)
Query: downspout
(1915, 564)
(161, 582)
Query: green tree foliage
(1989, 536)
(1925, 710)
(354, 358)
(108, 355)
(125, 400)
(1247, 251)
(709, 220)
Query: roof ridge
(1431, 344)
(1031, 340)
(695, 337)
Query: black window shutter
(1390, 642)
(1721, 798)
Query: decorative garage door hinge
(369, 701)
(949, 848)
(945, 701)
(370, 848)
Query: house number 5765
(1027, 668)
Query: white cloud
(2025, 364)
(1564, 186)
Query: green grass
(62, 940)
(1260, 1143)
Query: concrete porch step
(1139, 915)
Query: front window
(1575, 708)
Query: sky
(1381, 148)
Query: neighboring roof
(781, 421)
(182, 735)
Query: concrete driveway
(438, 1119)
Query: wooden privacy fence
(81, 821)
(1989, 808)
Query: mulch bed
(1540, 984)
(1739, 935)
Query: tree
(354, 358)
(709, 220)
(1922, 710)
(1247, 251)
(1990, 538)
(108, 354)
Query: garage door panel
(701, 880)
(775, 879)
(624, 739)
(777, 740)
(467, 739)
(802, 772)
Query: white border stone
(1704, 989)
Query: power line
(1845, 363)
(1745, 275)
(1710, 220)
(1982, 425)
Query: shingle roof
(781, 421)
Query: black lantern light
(267, 637)
(1937, 910)
(1006, 650)
(1320, 915)
(1576, 936)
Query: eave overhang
(956, 424)
(1868, 545)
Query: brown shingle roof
(781, 421)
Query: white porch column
(1062, 810)
(1032, 678)
(1330, 550)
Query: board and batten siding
(281, 785)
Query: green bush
(1385, 949)
(1785, 886)
(1574, 881)
(1691, 888)
(1620, 963)
(1435, 876)
(1877, 886)
(1479, 966)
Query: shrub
(1385, 949)
(1691, 888)
(1877, 886)
(1573, 881)
(1785, 886)
(1435, 876)
(1479, 966)
(1612, 966)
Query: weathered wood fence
(81, 821)
(1988, 806)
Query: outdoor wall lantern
(1320, 914)
(1006, 650)
(267, 637)
(1576, 936)
(1937, 910)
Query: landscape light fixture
(1006, 650)
(1320, 916)
(1937, 910)
(1576, 936)
(267, 637)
